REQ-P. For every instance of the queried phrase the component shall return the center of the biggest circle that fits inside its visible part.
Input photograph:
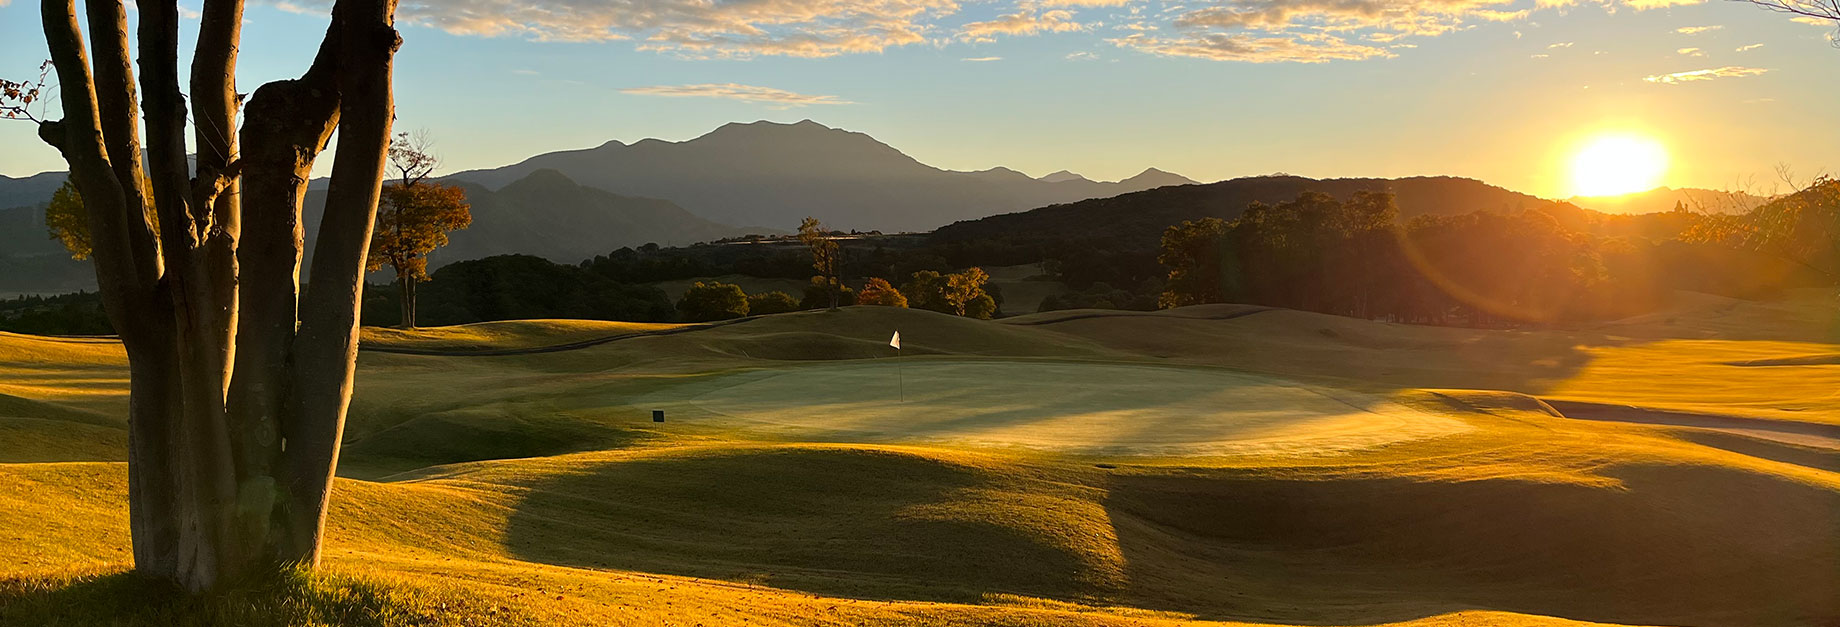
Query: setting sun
(1618, 164)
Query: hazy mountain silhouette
(28, 191)
(543, 214)
(1665, 199)
(1062, 175)
(548, 215)
(773, 174)
(1140, 217)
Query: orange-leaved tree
(413, 218)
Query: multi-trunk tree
(240, 379)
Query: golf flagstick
(899, 380)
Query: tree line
(1487, 268)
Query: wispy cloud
(1691, 52)
(981, 59)
(1296, 48)
(1562, 44)
(1028, 21)
(1729, 71)
(777, 98)
(690, 28)
(1082, 56)
(1541, 55)
(1749, 47)
(1695, 30)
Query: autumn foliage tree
(413, 218)
(239, 378)
(826, 257)
(68, 221)
(959, 293)
(877, 291)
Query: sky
(1503, 91)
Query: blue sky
(1213, 89)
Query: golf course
(1212, 464)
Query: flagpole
(900, 379)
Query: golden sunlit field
(1215, 464)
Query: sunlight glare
(1611, 165)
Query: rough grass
(533, 489)
(289, 599)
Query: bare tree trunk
(221, 381)
(405, 291)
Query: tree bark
(234, 417)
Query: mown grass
(533, 489)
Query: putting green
(1084, 408)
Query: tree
(715, 300)
(771, 303)
(825, 257)
(1828, 10)
(414, 218)
(1191, 252)
(950, 293)
(878, 292)
(67, 221)
(820, 293)
(1802, 228)
(239, 380)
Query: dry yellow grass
(532, 489)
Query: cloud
(1541, 56)
(1695, 30)
(1290, 48)
(1082, 56)
(1813, 21)
(1562, 44)
(1082, 3)
(1691, 52)
(1028, 21)
(981, 59)
(1749, 47)
(690, 28)
(777, 98)
(1644, 5)
(1312, 31)
(1729, 71)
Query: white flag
(896, 341)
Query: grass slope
(532, 489)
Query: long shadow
(1674, 545)
(845, 522)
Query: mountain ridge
(773, 173)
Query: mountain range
(764, 177)
(772, 175)
(1139, 218)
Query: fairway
(1071, 407)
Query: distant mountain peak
(1152, 177)
(1063, 175)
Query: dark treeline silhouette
(1355, 258)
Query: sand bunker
(1099, 409)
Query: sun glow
(1610, 165)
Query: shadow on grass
(127, 599)
(1672, 545)
(834, 521)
